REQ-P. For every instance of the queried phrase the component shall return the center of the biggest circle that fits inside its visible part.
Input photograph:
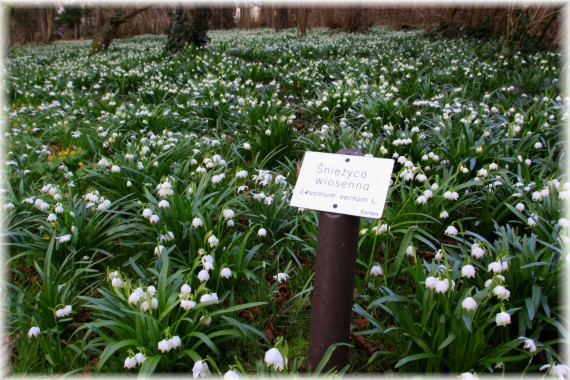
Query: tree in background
(281, 20)
(354, 20)
(244, 16)
(71, 17)
(49, 15)
(302, 20)
(108, 33)
(184, 31)
(222, 17)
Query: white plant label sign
(343, 184)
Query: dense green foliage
(146, 203)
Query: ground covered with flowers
(146, 204)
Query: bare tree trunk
(104, 37)
(281, 18)
(302, 20)
(49, 15)
(349, 24)
(329, 15)
(244, 16)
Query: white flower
(564, 223)
(33, 331)
(209, 297)
(469, 303)
(144, 306)
(468, 376)
(501, 292)
(103, 162)
(185, 289)
(52, 218)
(136, 295)
(231, 375)
(442, 286)
(444, 214)
(228, 213)
(164, 203)
(268, 132)
(280, 277)
(165, 189)
(200, 369)
(147, 213)
(520, 207)
(140, 358)
(451, 231)
(379, 229)
(280, 179)
(477, 251)
(197, 222)
(226, 273)
(532, 221)
(130, 362)
(560, 370)
(376, 271)
(218, 178)
(410, 250)
(262, 232)
(187, 304)
(158, 249)
(166, 237)
(438, 255)
(64, 238)
(246, 146)
(63, 312)
(164, 345)
(206, 320)
(495, 267)
(213, 241)
(431, 282)
(230, 223)
(451, 195)
(468, 271)
(203, 275)
(112, 275)
(421, 177)
(116, 282)
(154, 218)
(421, 200)
(175, 341)
(151, 290)
(502, 319)
(529, 343)
(115, 168)
(274, 358)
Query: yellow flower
(53, 224)
(80, 164)
(46, 237)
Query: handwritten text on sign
(343, 184)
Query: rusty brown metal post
(335, 267)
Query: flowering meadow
(146, 213)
